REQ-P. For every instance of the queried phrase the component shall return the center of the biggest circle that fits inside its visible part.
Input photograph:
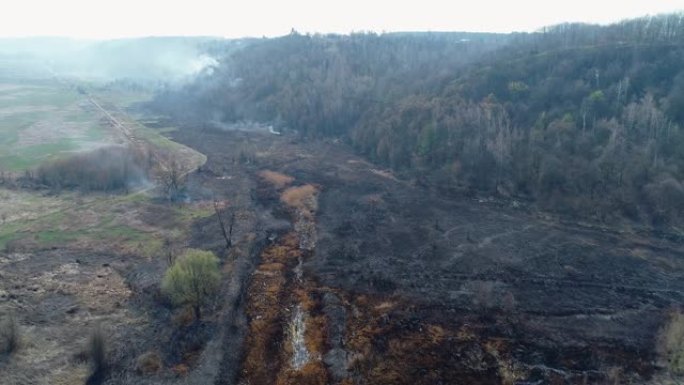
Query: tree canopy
(193, 279)
(580, 119)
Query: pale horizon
(81, 19)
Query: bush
(193, 279)
(105, 169)
(148, 363)
(9, 335)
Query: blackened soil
(571, 300)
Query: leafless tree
(226, 232)
(169, 251)
(172, 180)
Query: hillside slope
(580, 119)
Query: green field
(43, 121)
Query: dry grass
(313, 373)
(276, 179)
(670, 344)
(271, 292)
(315, 335)
(301, 198)
(272, 267)
(267, 292)
(77, 374)
(507, 371)
(180, 370)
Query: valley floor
(341, 273)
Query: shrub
(192, 279)
(148, 363)
(105, 169)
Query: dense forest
(583, 120)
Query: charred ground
(396, 282)
(417, 288)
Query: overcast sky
(128, 18)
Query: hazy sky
(125, 18)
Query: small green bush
(192, 279)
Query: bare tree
(172, 180)
(169, 251)
(227, 233)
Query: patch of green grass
(53, 106)
(11, 126)
(9, 232)
(190, 212)
(149, 248)
(31, 156)
(57, 237)
(155, 138)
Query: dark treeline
(582, 119)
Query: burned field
(410, 287)
(337, 272)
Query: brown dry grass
(315, 335)
(305, 300)
(301, 198)
(313, 373)
(276, 266)
(183, 317)
(267, 292)
(148, 363)
(276, 179)
(180, 370)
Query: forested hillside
(580, 119)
